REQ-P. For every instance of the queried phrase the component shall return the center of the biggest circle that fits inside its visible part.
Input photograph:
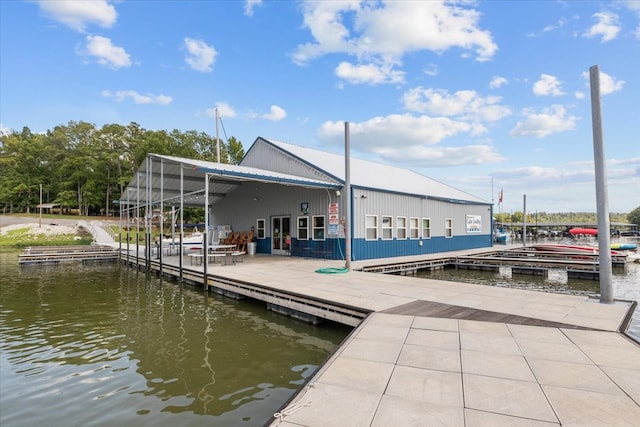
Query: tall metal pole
(205, 238)
(347, 192)
(161, 214)
(524, 220)
(138, 220)
(148, 214)
(181, 219)
(40, 222)
(604, 239)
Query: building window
(414, 230)
(387, 227)
(260, 228)
(303, 228)
(371, 227)
(426, 228)
(318, 227)
(448, 227)
(401, 222)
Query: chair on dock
(244, 241)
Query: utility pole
(602, 203)
(40, 221)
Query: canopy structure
(176, 181)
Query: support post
(524, 220)
(138, 220)
(348, 198)
(161, 214)
(40, 220)
(205, 240)
(181, 218)
(604, 239)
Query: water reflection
(103, 345)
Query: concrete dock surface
(397, 370)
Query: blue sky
(483, 96)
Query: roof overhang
(170, 179)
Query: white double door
(281, 235)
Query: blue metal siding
(362, 249)
(370, 249)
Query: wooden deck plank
(448, 311)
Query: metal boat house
(293, 197)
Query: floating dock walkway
(72, 253)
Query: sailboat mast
(217, 138)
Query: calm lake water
(100, 344)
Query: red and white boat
(584, 231)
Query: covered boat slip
(166, 185)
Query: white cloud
(464, 104)
(434, 26)
(607, 26)
(371, 74)
(539, 183)
(551, 120)
(224, 110)
(411, 140)
(106, 53)
(433, 156)
(275, 114)
(550, 28)
(580, 95)
(77, 15)
(547, 86)
(498, 81)
(608, 84)
(404, 129)
(137, 98)
(200, 56)
(561, 23)
(250, 5)
(431, 70)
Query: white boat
(500, 236)
(194, 240)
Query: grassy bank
(23, 237)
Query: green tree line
(542, 218)
(86, 168)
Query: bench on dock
(211, 257)
(235, 255)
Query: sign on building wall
(334, 220)
(474, 223)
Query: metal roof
(376, 176)
(165, 181)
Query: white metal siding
(378, 203)
(240, 210)
(267, 157)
